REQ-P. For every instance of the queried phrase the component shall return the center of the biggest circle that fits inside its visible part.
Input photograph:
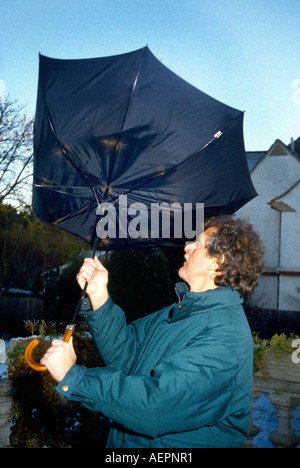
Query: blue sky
(246, 53)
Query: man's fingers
(88, 266)
(92, 262)
(58, 342)
(85, 276)
(57, 348)
(87, 271)
(59, 358)
(95, 275)
(98, 264)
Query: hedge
(40, 418)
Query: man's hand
(59, 358)
(94, 273)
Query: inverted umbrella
(126, 126)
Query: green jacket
(181, 377)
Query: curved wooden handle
(28, 357)
(34, 343)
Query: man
(181, 377)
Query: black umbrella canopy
(127, 128)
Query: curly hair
(239, 251)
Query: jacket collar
(197, 302)
(181, 289)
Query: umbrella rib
(60, 186)
(54, 188)
(166, 171)
(123, 122)
(64, 151)
(148, 178)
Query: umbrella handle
(69, 329)
(30, 348)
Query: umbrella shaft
(82, 296)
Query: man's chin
(181, 272)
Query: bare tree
(16, 153)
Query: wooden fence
(14, 310)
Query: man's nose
(190, 247)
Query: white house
(275, 213)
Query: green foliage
(30, 248)
(139, 281)
(278, 344)
(281, 343)
(40, 417)
(259, 346)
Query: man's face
(199, 267)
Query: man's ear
(215, 264)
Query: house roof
(279, 205)
(253, 157)
(295, 146)
(276, 149)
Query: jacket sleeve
(116, 341)
(187, 391)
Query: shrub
(40, 416)
(278, 343)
